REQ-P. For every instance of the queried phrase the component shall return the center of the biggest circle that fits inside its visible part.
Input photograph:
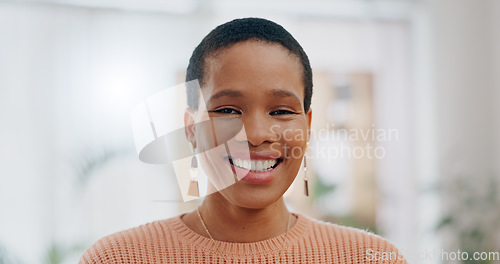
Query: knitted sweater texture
(308, 241)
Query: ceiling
(385, 9)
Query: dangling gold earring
(193, 171)
(306, 185)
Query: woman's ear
(309, 119)
(189, 127)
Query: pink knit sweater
(308, 241)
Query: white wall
(27, 118)
(465, 75)
(495, 9)
(465, 47)
(68, 80)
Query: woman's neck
(231, 223)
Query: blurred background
(418, 78)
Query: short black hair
(240, 30)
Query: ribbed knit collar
(243, 249)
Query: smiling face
(260, 85)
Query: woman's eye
(281, 112)
(229, 111)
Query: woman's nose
(257, 129)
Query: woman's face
(258, 89)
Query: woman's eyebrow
(284, 93)
(230, 93)
(233, 93)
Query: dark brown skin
(270, 103)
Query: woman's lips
(257, 174)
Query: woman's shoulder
(338, 232)
(353, 242)
(131, 245)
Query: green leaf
(445, 221)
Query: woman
(254, 72)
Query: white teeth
(259, 165)
(241, 163)
(252, 165)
